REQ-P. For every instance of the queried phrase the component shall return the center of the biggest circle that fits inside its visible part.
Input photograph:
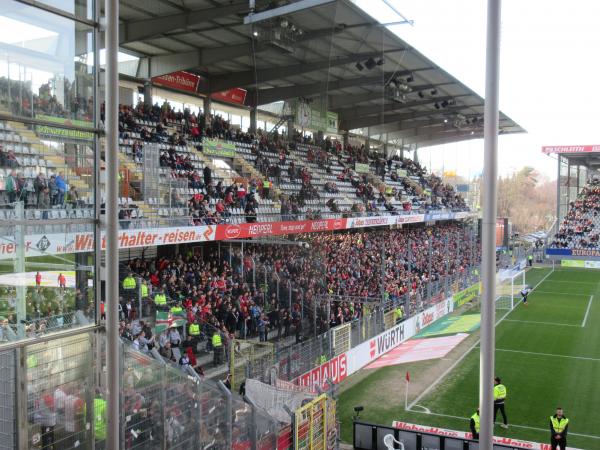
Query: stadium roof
(209, 37)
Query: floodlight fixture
(370, 63)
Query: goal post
(509, 285)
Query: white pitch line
(543, 323)
(583, 358)
(571, 282)
(562, 293)
(464, 355)
(591, 436)
(587, 311)
(449, 369)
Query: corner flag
(407, 378)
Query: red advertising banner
(235, 95)
(570, 149)
(249, 230)
(335, 369)
(188, 82)
(182, 81)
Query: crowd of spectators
(262, 292)
(40, 192)
(579, 228)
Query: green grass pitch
(547, 354)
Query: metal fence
(295, 360)
(52, 396)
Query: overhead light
(359, 66)
(472, 133)
(370, 64)
(445, 120)
(433, 92)
(380, 62)
(421, 95)
(255, 33)
(444, 104)
(437, 105)
(283, 23)
(410, 78)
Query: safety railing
(53, 396)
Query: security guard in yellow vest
(177, 310)
(160, 300)
(398, 314)
(499, 398)
(558, 429)
(474, 423)
(194, 330)
(100, 419)
(129, 285)
(144, 289)
(217, 343)
(266, 188)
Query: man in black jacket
(559, 425)
(474, 425)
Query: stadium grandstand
(207, 206)
(575, 234)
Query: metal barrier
(53, 397)
(368, 436)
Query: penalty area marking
(591, 436)
(464, 355)
(543, 323)
(583, 358)
(570, 294)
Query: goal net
(508, 288)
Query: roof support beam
(389, 119)
(412, 128)
(284, 10)
(198, 59)
(249, 77)
(148, 28)
(266, 96)
(353, 113)
(448, 139)
(437, 138)
(337, 102)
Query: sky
(549, 71)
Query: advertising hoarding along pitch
(510, 442)
(363, 354)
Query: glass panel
(60, 390)
(49, 170)
(83, 9)
(46, 65)
(46, 279)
